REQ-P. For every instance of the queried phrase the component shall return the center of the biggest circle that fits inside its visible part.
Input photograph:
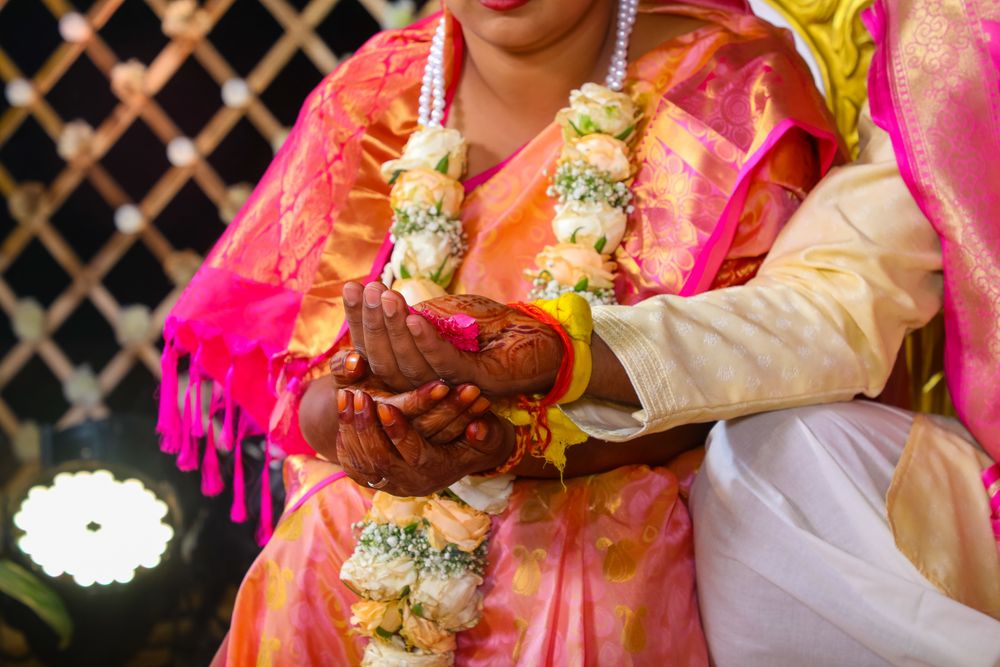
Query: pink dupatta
(934, 87)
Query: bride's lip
(503, 5)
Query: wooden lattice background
(60, 248)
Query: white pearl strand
(432, 92)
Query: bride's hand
(378, 447)
(518, 354)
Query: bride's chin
(518, 26)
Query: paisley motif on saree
(730, 144)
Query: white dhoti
(796, 562)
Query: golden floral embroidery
(604, 494)
(290, 526)
(620, 559)
(633, 637)
(268, 647)
(522, 629)
(649, 534)
(528, 576)
(277, 578)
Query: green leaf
(21, 585)
(439, 205)
(624, 133)
(412, 528)
(442, 165)
(383, 633)
(395, 175)
(403, 273)
(581, 286)
(417, 609)
(572, 238)
(575, 128)
(406, 591)
(601, 242)
(587, 124)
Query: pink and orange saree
(599, 571)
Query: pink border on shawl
(714, 251)
(323, 483)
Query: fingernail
(469, 393)
(359, 402)
(481, 405)
(385, 415)
(351, 362)
(389, 307)
(439, 392)
(479, 431)
(371, 298)
(341, 400)
(413, 324)
(350, 295)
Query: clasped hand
(402, 428)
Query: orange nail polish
(385, 415)
(351, 362)
(439, 392)
(341, 399)
(469, 393)
(482, 404)
(359, 402)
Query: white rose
(424, 255)
(415, 290)
(454, 603)
(586, 223)
(570, 264)
(385, 654)
(595, 108)
(377, 579)
(601, 152)
(427, 149)
(486, 494)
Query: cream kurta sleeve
(855, 269)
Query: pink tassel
(226, 437)
(238, 511)
(198, 427)
(168, 423)
(187, 459)
(265, 527)
(211, 478)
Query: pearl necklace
(432, 92)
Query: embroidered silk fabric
(568, 582)
(570, 571)
(735, 135)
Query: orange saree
(601, 570)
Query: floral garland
(419, 562)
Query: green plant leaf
(417, 609)
(442, 165)
(395, 175)
(587, 124)
(601, 242)
(383, 633)
(572, 238)
(21, 585)
(403, 273)
(624, 133)
(575, 128)
(581, 286)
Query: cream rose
(415, 290)
(426, 635)
(428, 189)
(601, 152)
(594, 108)
(454, 603)
(427, 148)
(454, 523)
(399, 511)
(586, 223)
(424, 254)
(378, 579)
(486, 494)
(370, 615)
(386, 654)
(569, 264)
